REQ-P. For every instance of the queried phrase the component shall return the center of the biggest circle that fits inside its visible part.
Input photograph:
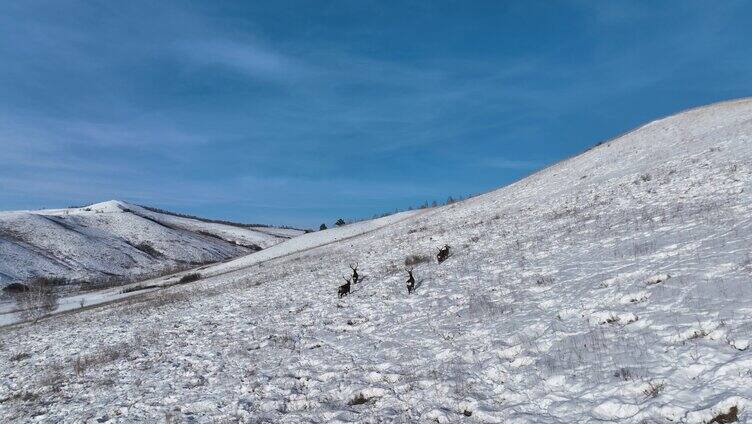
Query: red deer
(410, 281)
(443, 253)
(344, 289)
(355, 273)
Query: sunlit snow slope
(116, 238)
(615, 286)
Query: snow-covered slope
(611, 287)
(116, 238)
(69, 302)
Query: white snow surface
(102, 240)
(614, 286)
(9, 312)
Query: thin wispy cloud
(246, 58)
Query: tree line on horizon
(425, 205)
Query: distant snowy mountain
(118, 239)
(614, 286)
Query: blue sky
(302, 112)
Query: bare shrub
(106, 354)
(55, 374)
(565, 212)
(643, 178)
(189, 278)
(103, 283)
(148, 249)
(52, 377)
(392, 268)
(20, 356)
(595, 354)
(170, 417)
(746, 263)
(22, 396)
(698, 334)
(415, 259)
(50, 281)
(137, 288)
(481, 307)
(15, 288)
(147, 304)
(285, 341)
(417, 230)
(731, 416)
(654, 389)
(116, 281)
(358, 399)
(624, 374)
(39, 300)
(543, 280)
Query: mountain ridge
(116, 238)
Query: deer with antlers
(355, 276)
(410, 281)
(344, 289)
(443, 253)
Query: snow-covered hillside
(615, 286)
(117, 239)
(9, 310)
